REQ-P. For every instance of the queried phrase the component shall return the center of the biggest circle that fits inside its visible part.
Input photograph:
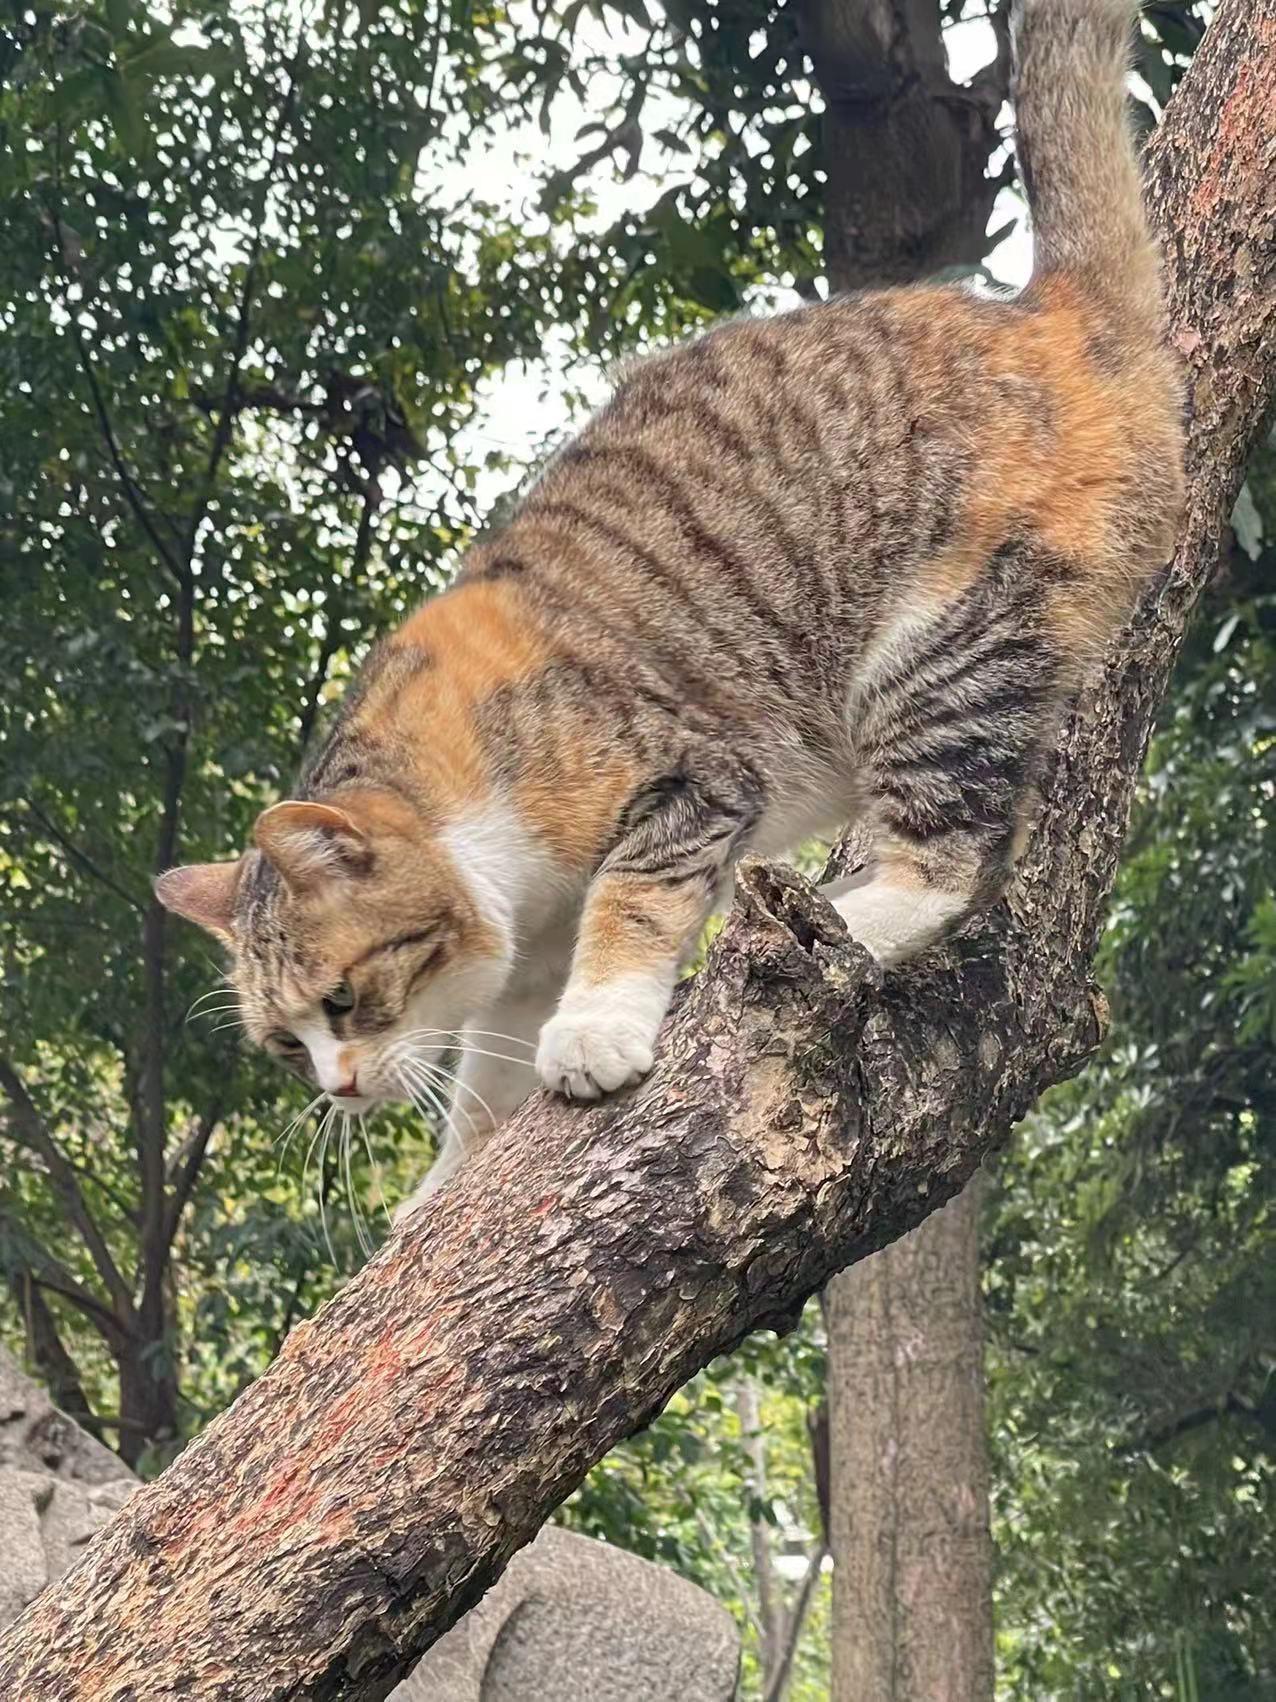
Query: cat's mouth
(352, 1103)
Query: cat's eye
(285, 1041)
(340, 1000)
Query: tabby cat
(846, 562)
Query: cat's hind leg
(950, 722)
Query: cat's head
(357, 943)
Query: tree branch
(770, 1611)
(31, 1129)
(365, 536)
(132, 492)
(80, 858)
(794, 1623)
(723, 1554)
(243, 320)
(26, 1256)
(803, 1112)
(47, 1351)
(1230, 1405)
(183, 1173)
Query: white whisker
(329, 1125)
(480, 1052)
(457, 1044)
(464, 1087)
(458, 1034)
(425, 1084)
(374, 1167)
(319, 1129)
(415, 1091)
(495, 1034)
(455, 1109)
(290, 1132)
(219, 991)
(356, 1216)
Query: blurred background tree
(292, 296)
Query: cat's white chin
(353, 1104)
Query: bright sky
(525, 406)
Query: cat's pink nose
(349, 1089)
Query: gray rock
(572, 1620)
(23, 1569)
(57, 1486)
(35, 1436)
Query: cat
(846, 563)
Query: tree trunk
(770, 1615)
(48, 1354)
(803, 1112)
(148, 1396)
(906, 150)
(912, 1585)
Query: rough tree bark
(804, 1111)
(909, 1524)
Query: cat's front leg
(603, 1034)
(642, 915)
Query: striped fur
(849, 561)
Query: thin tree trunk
(912, 1580)
(770, 1614)
(48, 1354)
(803, 1112)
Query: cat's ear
(204, 893)
(309, 842)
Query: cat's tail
(1076, 150)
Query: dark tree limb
(1230, 1405)
(79, 857)
(804, 1112)
(908, 188)
(793, 1624)
(33, 1132)
(183, 1171)
(27, 1259)
(47, 1351)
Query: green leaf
(126, 114)
(1247, 523)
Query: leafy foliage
(1132, 1277)
(240, 342)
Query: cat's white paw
(593, 1050)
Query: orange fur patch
(633, 925)
(479, 638)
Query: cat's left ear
(204, 893)
(309, 842)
